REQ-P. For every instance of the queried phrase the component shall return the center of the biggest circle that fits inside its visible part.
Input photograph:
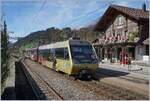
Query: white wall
(140, 52)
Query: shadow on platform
(8, 94)
(22, 87)
(103, 73)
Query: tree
(4, 54)
(52, 35)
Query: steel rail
(50, 88)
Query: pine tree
(4, 54)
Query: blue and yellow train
(74, 57)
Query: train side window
(46, 53)
(35, 52)
(40, 52)
(62, 53)
(59, 53)
(52, 55)
(66, 53)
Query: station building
(124, 33)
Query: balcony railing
(113, 39)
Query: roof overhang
(109, 16)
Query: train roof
(28, 49)
(62, 44)
(55, 45)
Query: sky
(25, 16)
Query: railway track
(98, 88)
(112, 92)
(109, 90)
(43, 90)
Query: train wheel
(94, 77)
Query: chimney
(144, 7)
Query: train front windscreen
(83, 54)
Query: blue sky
(26, 16)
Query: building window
(138, 50)
(134, 29)
(147, 49)
(120, 20)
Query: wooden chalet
(124, 29)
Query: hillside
(52, 35)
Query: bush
(132, 35)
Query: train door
(62, 60)
(52, 58)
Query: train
(73, 57)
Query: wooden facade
(123, 29)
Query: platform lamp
(39, 43)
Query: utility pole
(38, 50)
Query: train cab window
(83, 54)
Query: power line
(85, 23)
(42, 6)
(37, 14)
(89, 13)
(74, 20)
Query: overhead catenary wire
(89, 13)
(37, 14)
(40, 9)
(74, 20)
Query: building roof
(114, 10)
(135, 13)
